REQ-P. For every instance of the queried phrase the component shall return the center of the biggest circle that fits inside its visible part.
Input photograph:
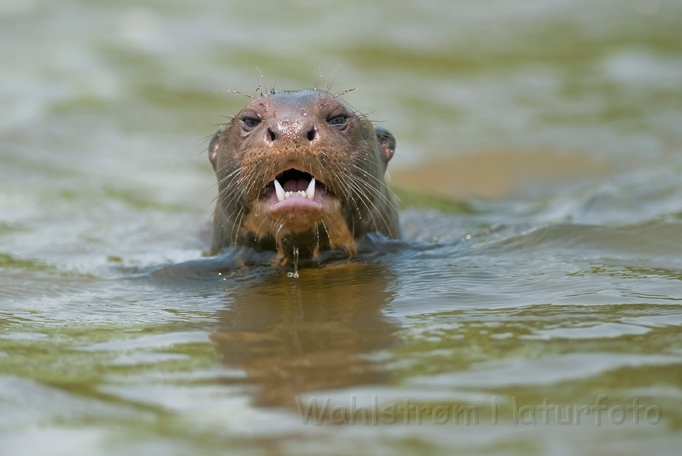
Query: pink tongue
(295, 185)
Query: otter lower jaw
(293, 204)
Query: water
(548, 294)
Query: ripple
(147, 342)
(543, 371)
(590, 332)
(136, 359)
(30, 403)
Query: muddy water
(532, 308)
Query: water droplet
(295, 273)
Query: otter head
(301, 169)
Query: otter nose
(293, 128)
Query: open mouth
(295, 189)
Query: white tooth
(310, 191)
(279, 190)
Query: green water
(544, 321)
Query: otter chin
(300, 173)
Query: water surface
(534, 306)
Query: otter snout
(298, 129)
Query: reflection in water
(297, 335)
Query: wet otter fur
(301, 171)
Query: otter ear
(386, 142)
(213, 151)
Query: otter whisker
(234, 233)
(379, 182)
(329, 236)
(257, 235)
(343, 92)
(361, 191)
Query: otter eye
(337, 121)
(250, 123)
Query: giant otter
(300, 173)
